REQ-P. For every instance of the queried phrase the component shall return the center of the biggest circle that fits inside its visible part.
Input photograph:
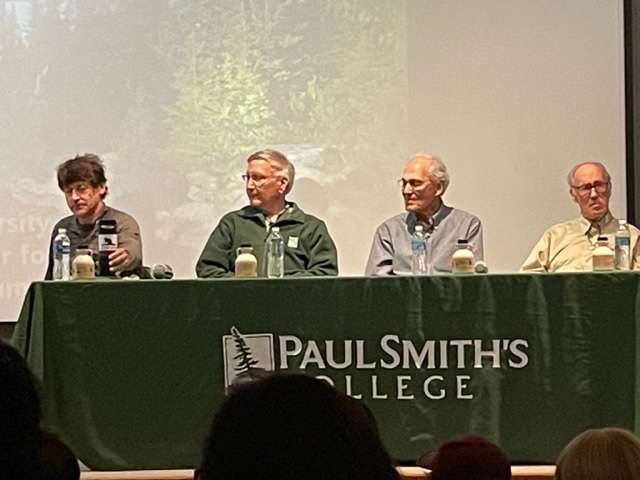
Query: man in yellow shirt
(568, 246)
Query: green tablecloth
(132, 371)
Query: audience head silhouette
(26, 452)
(288, 427)
(19, 417)
(58, 461)
(600, 454)
(467, 457)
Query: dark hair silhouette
(600, 454)
(287, 427)
(19, 418)
(58, 461)
(467, 457)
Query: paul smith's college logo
(246, 357)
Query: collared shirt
(568, 246)
(273, 219)
(391, 250)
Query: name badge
(292, 242)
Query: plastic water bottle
(623, 246)
(462, 260)
(61, 252)
(275, 254)
(418, 251)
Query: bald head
(587, 166)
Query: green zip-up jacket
(308, 247)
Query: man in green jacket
(308, 247)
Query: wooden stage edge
(539, 472)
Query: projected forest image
(174, 94)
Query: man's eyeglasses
(413, 184)
(600, 187)
(258, 180)
(81, 189)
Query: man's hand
(118, 259)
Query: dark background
(632, 87)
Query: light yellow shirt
(568, 246)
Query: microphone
(161, 271)
(481, 267)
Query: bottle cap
(245, 245)
(419, 228)
(602, 238)
(275, 229)
(62, 230)
(107, 226)
(463, 241)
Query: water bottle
(107, 244)
(418, 251)
(623, 246)
(275, 254)
(462, 260)
(61, 251)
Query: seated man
(84, 185)
(568, 246)
(424, 181)
(308, 247)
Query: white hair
(437, 171)
(279, 162)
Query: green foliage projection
(176, 93)
(251, 74)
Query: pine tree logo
(246, 357)
(245, 362)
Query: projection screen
(174, 94)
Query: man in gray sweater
(83, 182)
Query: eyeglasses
(600, 187)
(413, 184)
(81, 189)
(258, 180)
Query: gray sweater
(128, 237)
